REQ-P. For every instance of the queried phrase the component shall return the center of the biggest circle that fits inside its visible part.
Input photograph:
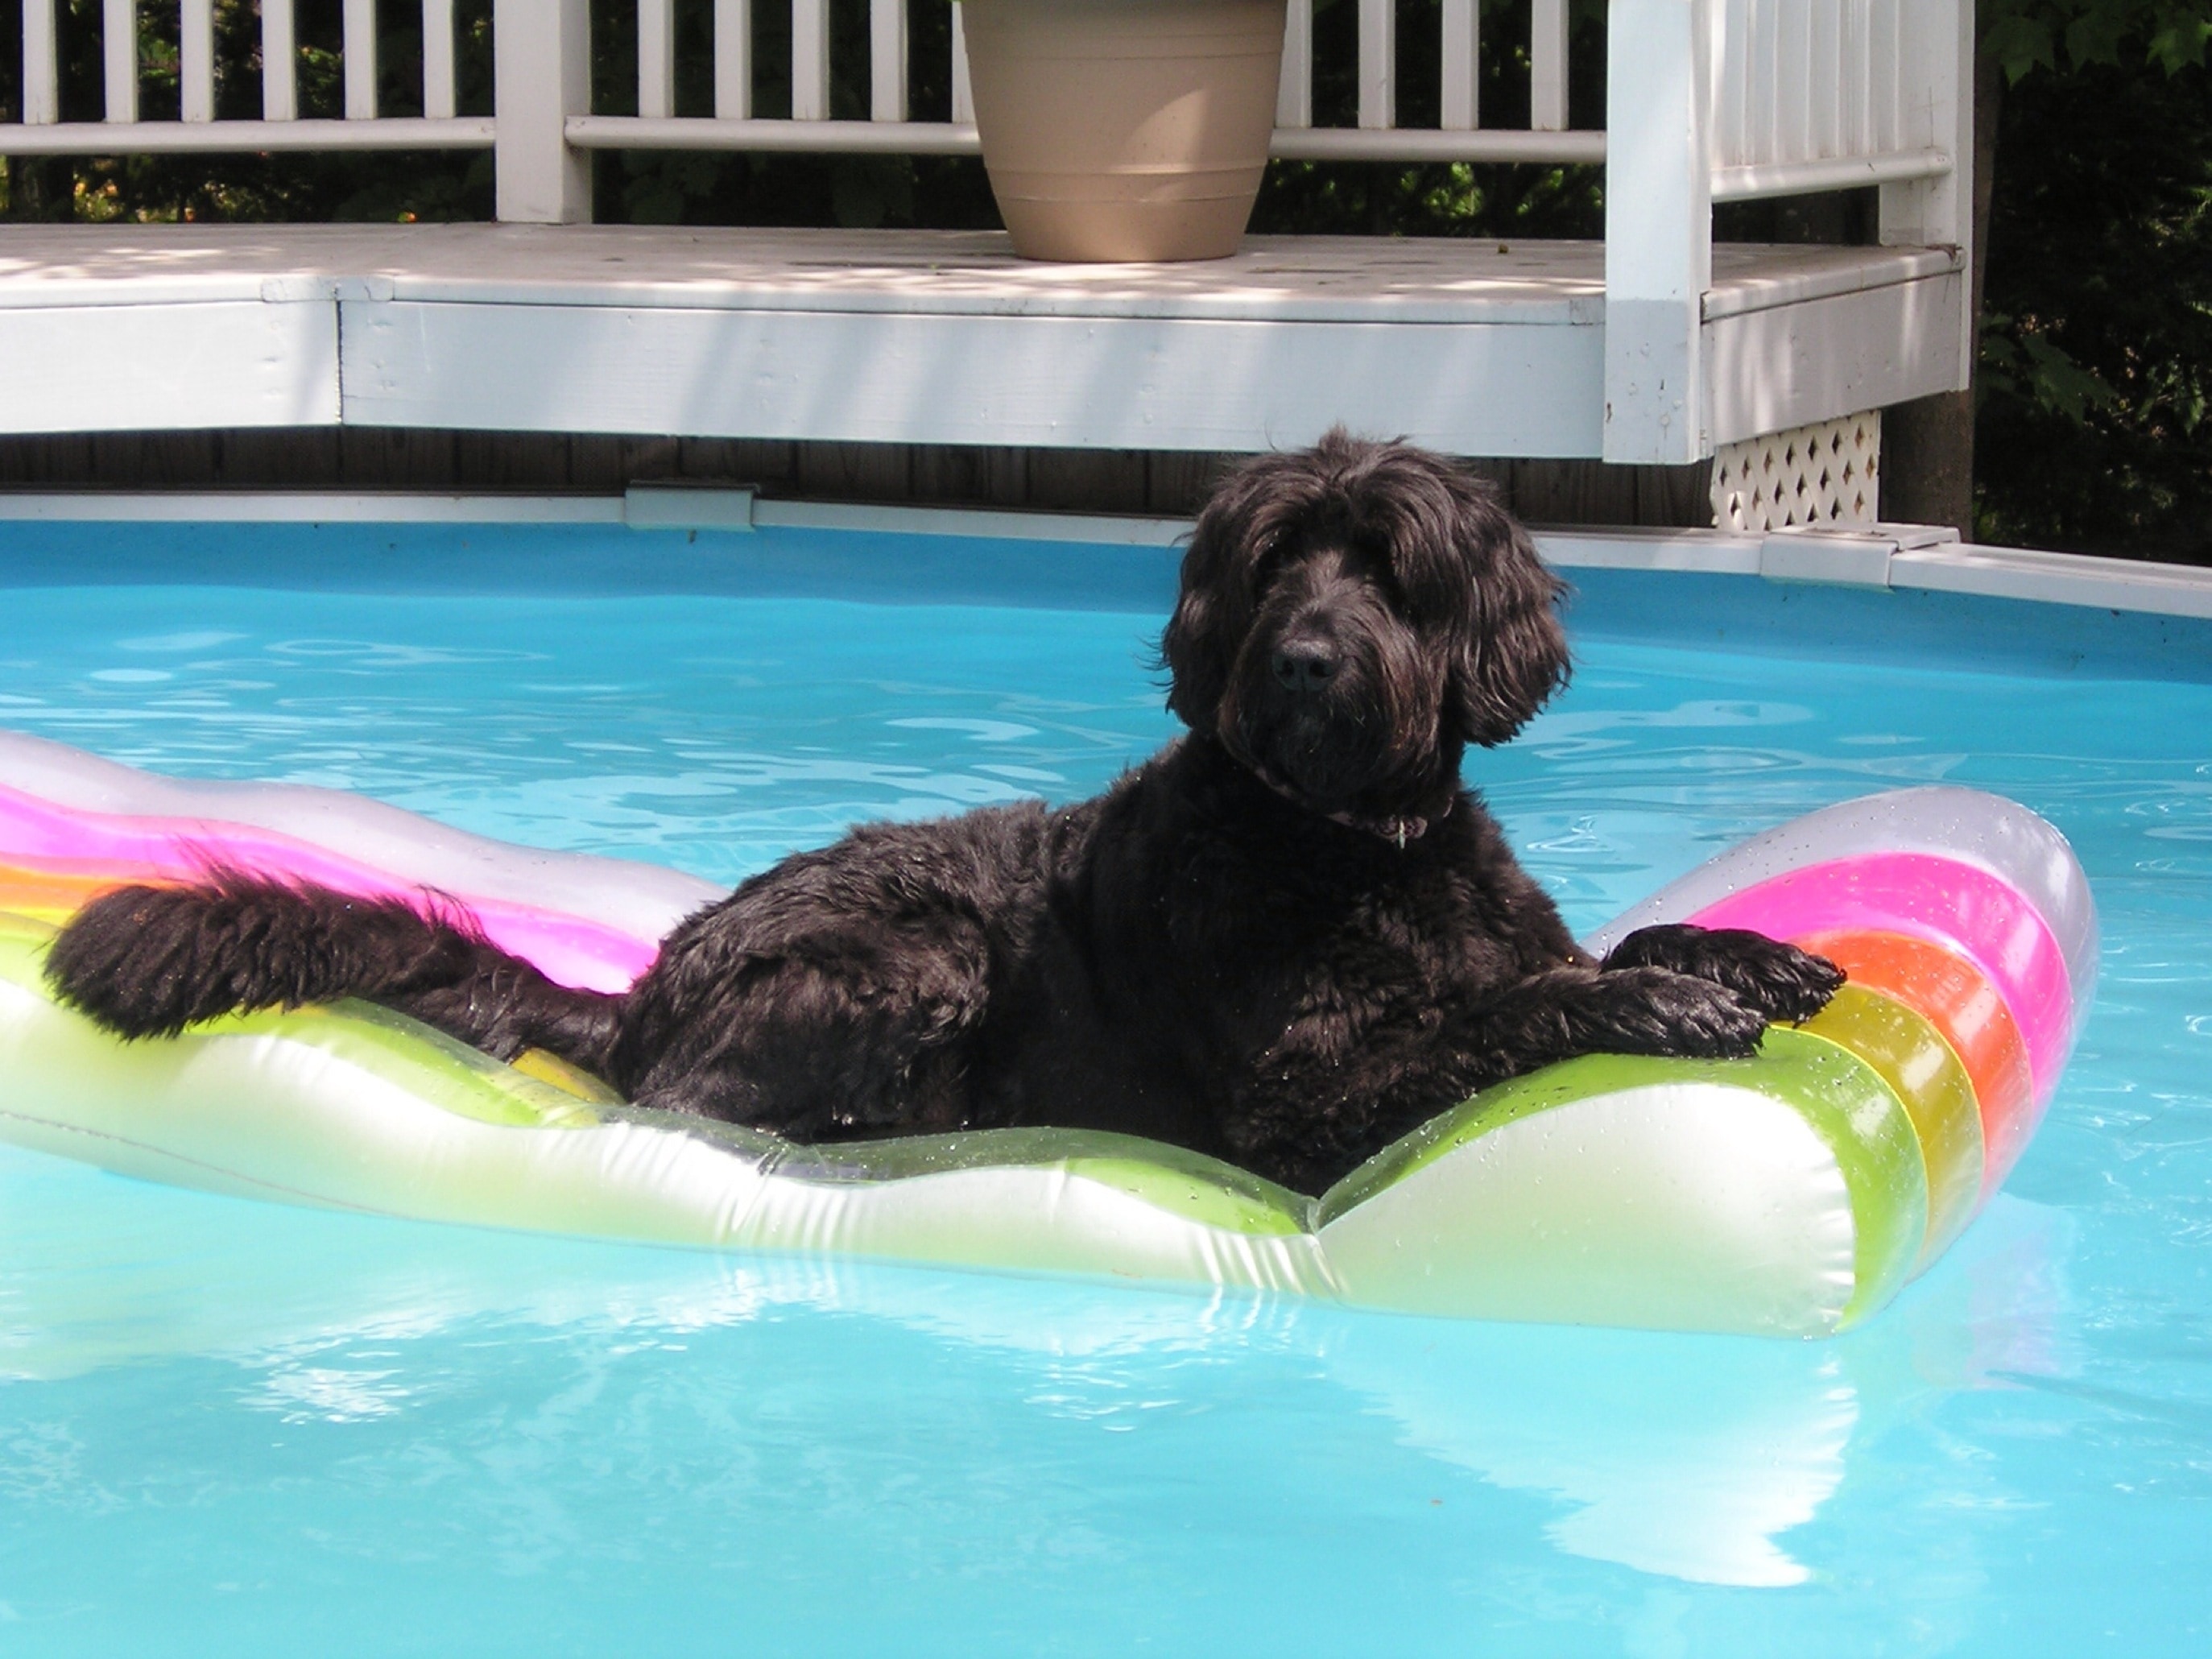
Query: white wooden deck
(1475, 347)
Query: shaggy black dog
(1286, 939)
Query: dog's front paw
(1778, 980)
(1679, 1016)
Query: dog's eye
(1374, 566)
(1268, 561)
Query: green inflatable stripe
(469, 1083)
(1198, 1217)
(1187, 1184)
(427, 1063)
(1844, 1100)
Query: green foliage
(2062, 36)
(2096, 362)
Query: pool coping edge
(1885, 556)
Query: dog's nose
(1303, 667)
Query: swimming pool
(231, 1428)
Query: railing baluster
(119, 55)
(1824, 51)
(1885, 131)
(1461, 50)
(1547, 66)
(280, 93)
(1732, 105)
(1758, 69)
(1378, 64)
(1294, 93)
(733, 59)
(196, 60)
(887, 60)
(963, 92)
(42, 103)
(360, 53)
(1793, 101)
(441, 90)
(810, 60)
(1853, 79)
(656, 58)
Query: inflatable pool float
(1790, 1193)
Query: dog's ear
(1200, 642)
(1243, 526)
(1514, 655)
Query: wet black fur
(1286, 939)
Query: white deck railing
(1824, 95)
(1734, 99)
(41, 131)
(1799, 94)
(1708, 100)
(733, 124)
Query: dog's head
(1354, 614)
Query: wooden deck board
(1478, 346)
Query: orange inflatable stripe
(1956, 997)
(51, 895)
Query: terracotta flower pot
(1124, 129)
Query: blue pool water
(234, 1429)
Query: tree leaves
(2096, 346)
(2061, 36)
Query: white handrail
(1432, 144)
(774, 135)
(233, 138)
(1746, 184)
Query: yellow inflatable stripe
(1927, 1075)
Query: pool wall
(1976, 607)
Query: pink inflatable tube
(569, 949)
(640, 901)
(1941, 900)
(1981, 877)
(72, 813)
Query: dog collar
(1395, 830)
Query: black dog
(1286, 939)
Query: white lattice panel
(1829, 474)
